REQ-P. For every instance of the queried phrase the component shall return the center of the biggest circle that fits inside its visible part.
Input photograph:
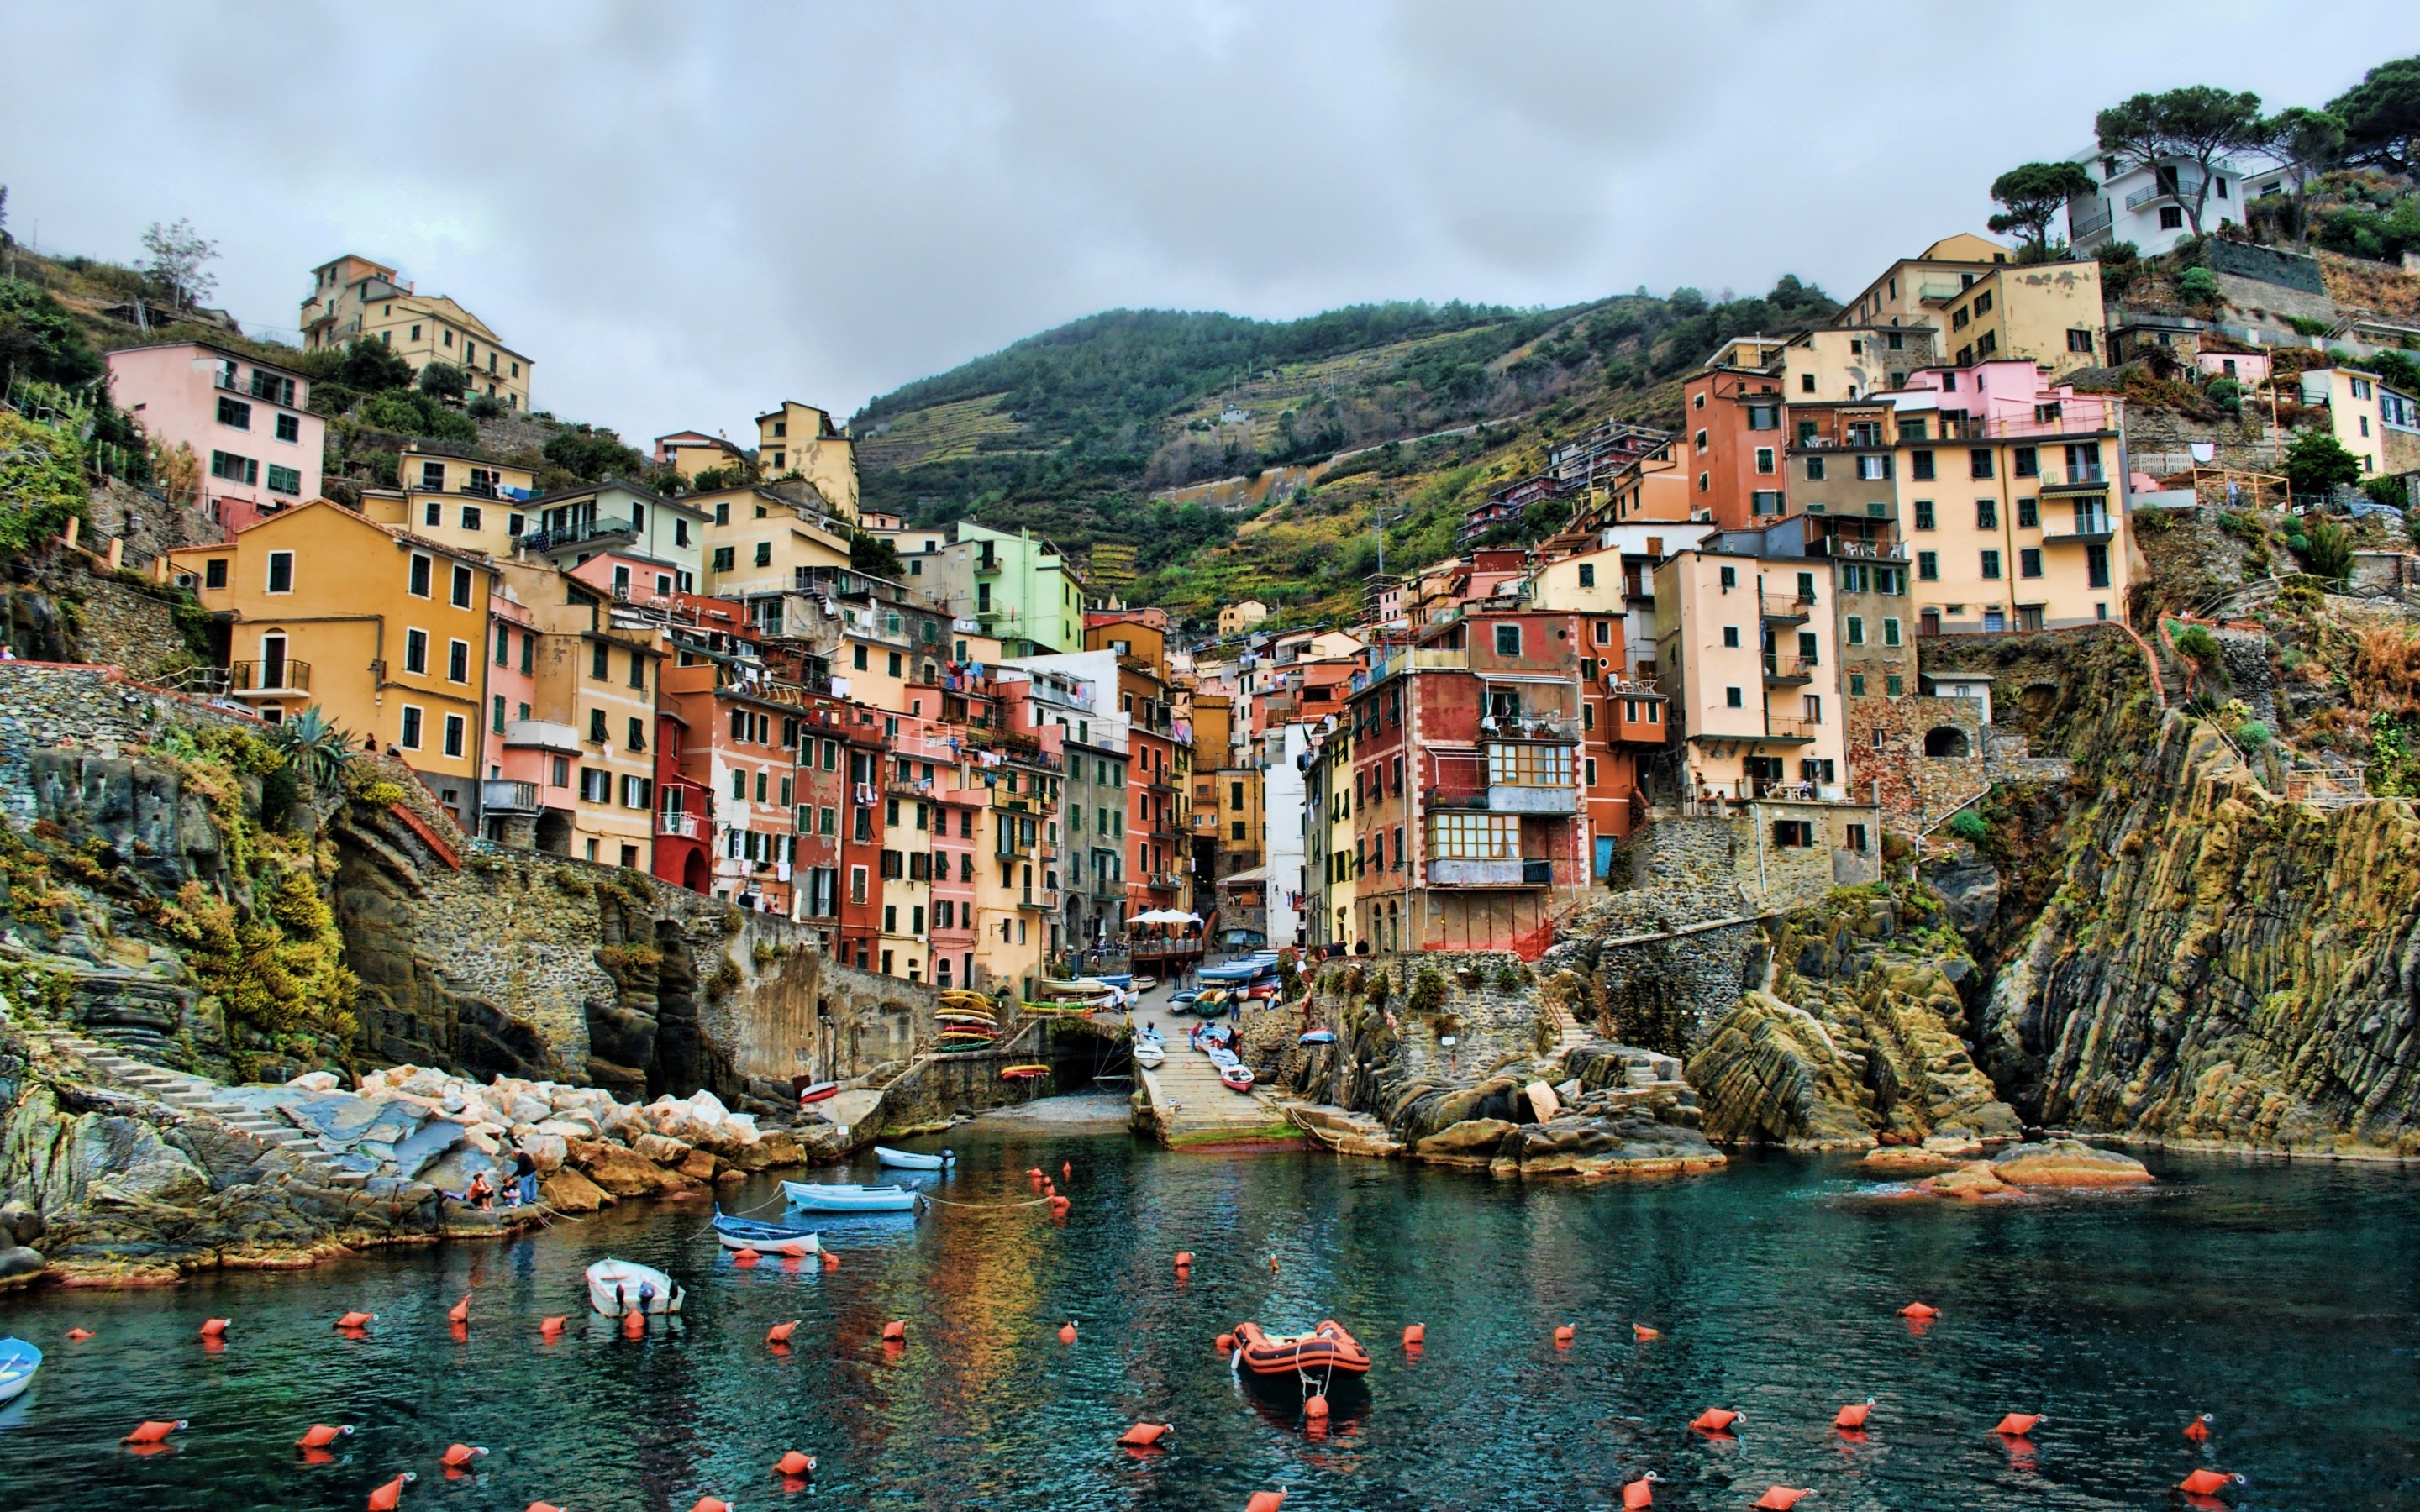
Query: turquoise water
(2280, 1298)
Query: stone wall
(96, 709)
(61, 605)
(1888, 756)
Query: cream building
(353, 298)
(799, 440)
(1749, 660)
(1983, 306)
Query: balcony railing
(507, 796)
(1843, 545)
(1786, 607)
(1780, 668)
(266, 677)
(546, 735)
(684, 826)
(1505, 872)
(2091, 222)
(1777, 727)
(576, 534)
(2183, 190)
(2089, 530)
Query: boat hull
(812, 1197)
(614, 1287)
(19, 1364)
(764, 1238)
(1308, 1362)
(910, 1160)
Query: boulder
(566, 1190)
(315, 1081)
(1472, 1142)
(700, 1165)
(20, 1224)
(547, 1151)
(19, 1265)
(1628, 1143)
(578, 1125)
(2068, 1163)
(1974, 1183)
(660, 1149)
(1899, 1159)
(624, 1173)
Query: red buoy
(831, 1261)
(1314, 1407)
(2016, 1425)
(2208, 1483)
(1265, 1502)
(1184, 1260)
(320, 1435)
(1640, 1492)
(152, 1432)
(1067, 1331)
(542, 1507)
(386, 1496)
(1224, 1342)
(896, 1330)
(1642, 1333)
(460, 1311)
(79, 1334)
(794, 1463)
(1058, 1206)
(780, 1332)
(1415, 1334)
(634, 1323)
(711, 1504)
(1853, 1415)
(214, 1328)
(1563, 1335)
(550, 1327)
(1147, 1435)
(1780, 1499)
(458, 1455)
(2199, 1430)
(357, 1320)
(745, 1257)
(1066, 1170)
(1919, 1312)
(1715, 1420)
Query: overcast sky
(684, 213)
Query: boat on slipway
(834, 1196)
(737, 1233)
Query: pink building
(519, 780)
(2011, 397)
(246, 422)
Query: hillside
(1107, 429)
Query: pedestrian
(525, 1183)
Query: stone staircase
(197, 1094)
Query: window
(1765, 417)
(1729, 577)
(2171, 217)
(461, 587)
(1765, 501)
(597, 735)
(1983, 303)
(2028, 515)
(2030, 562)
(454, 728)
(1733, 699)
(234, 469)
(419, 577)
(892, 664)
(281, 572)
(1924, 515)
(1919, 465)
(1521, 764)
(857, 657)
(235, 412)
(1856, 629)
(1588, 575)
(2096, 566)
(1473, 837)
(214, 571)
(1793, 834)
(1991, 564)
(1731, 636)
(415, 651)
(1928, 567)
(1856, 685)
(764, 553)
(410, 738)
(1814, 709)
(1873, 468)
(1508, 640)
(1805, 382)
(1978, 462)
(1814, 469)
(457, 661)
(726, 557)
(1765, 459)
(1987, 514)
(638, 733)
(1890, 637)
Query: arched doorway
(553, 832)
(695, 875)
(1946, 742)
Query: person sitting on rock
(482, 1192)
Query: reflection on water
(2280, 1299)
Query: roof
(401, 535)
(213, 346)
(601, 483)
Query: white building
(2145, 203)
(1285, 819)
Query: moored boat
(615, 1287)
(1310, 1360)
(1149, 1055)
(763, 1237)
(832, 1196)
(19, 1360)
(818, 1092)
(1238, 1078)
(908, 1160)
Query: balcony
(1936, 293)
(507, 796)
(2091, 530)
(1507, 872)
(1553, 802)
(2084, 223)
(1780, 671)
(1778, 730)
(1785, 608)
(1850, 549)
(269, 679)
(681, 826)
(1041, 900)
(986, 565)
(543, 734)
(579, 533)
(2178, 188)
(2089, 478)
(1561, 728)
(1639, 721)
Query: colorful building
(353, 298)
(798, 440)
(248, 423)
(1019, 587)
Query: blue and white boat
(908, 1160)
(19, 1360)
(737, 1233)
(834, 1196)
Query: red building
(684, 809)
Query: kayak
(19, 1360)
(763, 1237)
(1319, 1037)
(830, 1197)
(614, 1286)
(910, 1160)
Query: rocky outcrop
(1857, 1039)
(2223, 966)
(2058, 1164)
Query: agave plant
(316, 745)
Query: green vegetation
(1969, 826)
(41, 481)
(2316, 462)
(2035, 195)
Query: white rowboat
(614, 1286)
(910, 1160)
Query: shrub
(442, 380)
(41, 481)
(2198, 645)
(1428, 994)
(2198, 285)
(1969, 826)
(483, 406)
(2329, 552)
(2252, 734)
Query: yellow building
(383, 631)
(689, 452)
(1332, 830)
(1234, 619)
(466, 503)
(1984, 306)
(1835, 362)
(1748, 659)
(800, 441)
(2356, 414)
(761, 543)
(353, 298)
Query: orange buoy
(320, 1435)
(894, 1330)
(745, 1255)
(1715, 1420)
(214, 1328)
(1066, 1170)
(1782, 1499)
(1067, 1331)
(1265, 1502)
(386, 1496)
(1035, 1173)
(794, 1463)
(1642, 1333)
(831, 1261)
(152, 1432)
(79, 1334)
(460, 1311)
(1184, 1258)
(1314, 1407)
(1563, 1333)
(458, 1455)
(1224, 1342)
(542, 1507)
(2208, 1483)
(550, 1327)
(1853, 1415)
(780, 1332)
(2016, 1425)
(1918, 1311)
(1147, 1435)
(1058, 1206)
(1640, 1492)
(1415, 1334)
(357, 1320)
(710, 1503)
(2199, 1430)
(634, 1323)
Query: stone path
(198, 1094)
(1207, 1110)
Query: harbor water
(2280, 1298)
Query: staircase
(197, 1094)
